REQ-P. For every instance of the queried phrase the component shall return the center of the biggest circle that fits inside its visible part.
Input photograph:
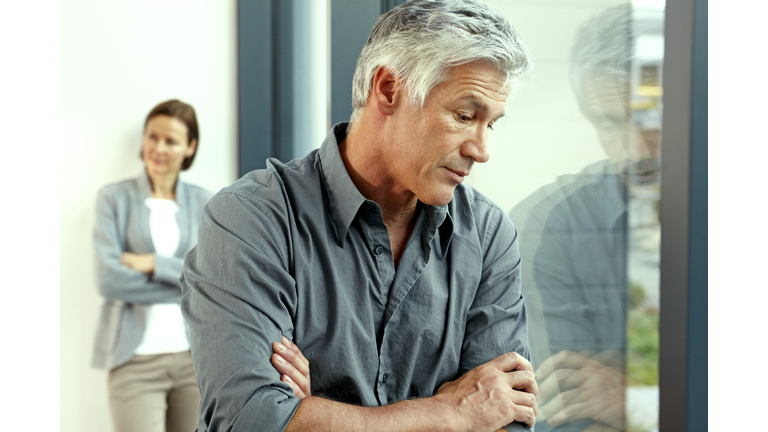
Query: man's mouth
(459, 173)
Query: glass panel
(576, 164)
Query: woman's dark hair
(184, 112)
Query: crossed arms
(484, 399)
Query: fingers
(524, 413)
(523, 380)
(296, 389)
(293, 367)
(290, 353)
(496, 393)
(291, 376)
(511, 361)
(293, 348)
(527, 400)
(519, 372)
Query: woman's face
(165, 145)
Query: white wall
(29, 256)
(119, 59)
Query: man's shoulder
(471, 209)
(276, 188)
(469, 198)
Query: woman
(144, 228)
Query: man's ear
(386, 91)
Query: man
(399, 285)
(579, 235)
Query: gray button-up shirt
(296, 250)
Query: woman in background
(144, 228)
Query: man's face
(435, 147)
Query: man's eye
(464, 117)
(490, 126)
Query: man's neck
(362, 158)
(361, 154)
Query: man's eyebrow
(481, 106)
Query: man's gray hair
(421, 39)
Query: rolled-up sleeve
(237, 298)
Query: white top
(165, 331)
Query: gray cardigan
(122, 225)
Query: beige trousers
(154, 393)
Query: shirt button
(379, 249)
(384, 378)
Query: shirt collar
(345, 200)
(440, 222)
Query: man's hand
(583, 385)
(142, 263)
(293, 367)
(494, 394)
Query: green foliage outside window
(643, 340)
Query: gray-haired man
(398, 284)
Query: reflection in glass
(590, 241)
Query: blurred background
(269, 78)
(118, 60)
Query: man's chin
(438, 200)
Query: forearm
(133, 287)
(168, 269)
(428, 414)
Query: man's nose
(477, 147)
